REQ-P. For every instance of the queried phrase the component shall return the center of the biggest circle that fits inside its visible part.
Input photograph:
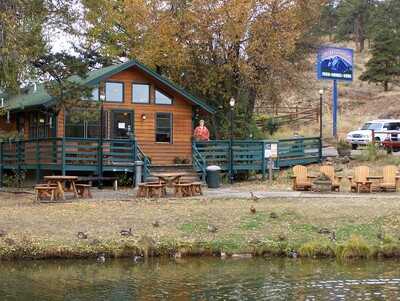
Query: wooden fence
(288, 115)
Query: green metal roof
(40, 97)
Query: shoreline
(355, 248)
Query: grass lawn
(50, 230)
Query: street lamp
(100, 152)
(232, 106)
(321, 94)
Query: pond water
(200, 279)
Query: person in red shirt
(201, 132)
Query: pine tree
(384, 66)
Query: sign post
(335, 64)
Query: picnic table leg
(61, 190)
(74, 189)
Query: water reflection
(200, 279)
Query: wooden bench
(183, 189)
(45, 191)
(84, 190)
(196, 188)
(90, 180)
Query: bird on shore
(82, 235)
(333, 236)
(273, 215)
(137, 259)
(212, 228)
(101, 258)
(253, 210)
(254, 197)
(324, 231)
(156, 224)
(125, 232)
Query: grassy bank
(343, 228)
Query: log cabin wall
(145, 130)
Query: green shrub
(124, 179)
(14, 179)
(316, 249)
(355, 247)
(271, 125)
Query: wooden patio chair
(360, 180)
(389, 180)
(301, 179)
(329, 171)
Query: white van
(381, 128)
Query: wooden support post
(270, 169)
(63, 172)
(37, 155)
(263, 162)
(1, 164)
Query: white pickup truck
(381, 127)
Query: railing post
(18, 146)
(1, 164)
(37, 156)
(263, 162)
(63, 156)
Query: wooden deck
(250, 155)
(64, 155)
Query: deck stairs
(192, 175)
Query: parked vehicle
(381, 129)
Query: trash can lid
(213, 168)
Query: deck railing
(68, 154)
(251, 155)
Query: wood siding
(160, 153)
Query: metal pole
(335, 108)
(231, 149)
(320, 126)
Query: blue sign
(335, 63)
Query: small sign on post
(271, 153)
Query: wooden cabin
(138, 103)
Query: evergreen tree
(384, 66)
(353, 19)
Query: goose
(254, 197)
(212, 228)
(101, 258)
(125, 232)
(253, 210)
(82, 235)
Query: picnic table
(169, 178)
(60, 182)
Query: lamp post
(321, 94)
(232, 106)
(100, 152)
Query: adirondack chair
(389, 180)
(329, 171)
(360, 180)
(301, 179)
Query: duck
(324, 231)
(82, 235)
(253, 210)
(125, 232)
(333, 236)
(137, 259)
(212, 228)
(101, 258)
(156, 224)
(293, 254)
(273, 215)
(254, 197)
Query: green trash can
(213, 176)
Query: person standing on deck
(201, 132)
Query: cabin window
(164, 127)
(140, 93)
(84, 124)
(162, 99)
(114, 92)
(41, 125)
